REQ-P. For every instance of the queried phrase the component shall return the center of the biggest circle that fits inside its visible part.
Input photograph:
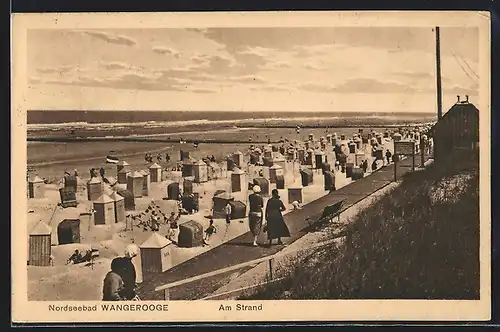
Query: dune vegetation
(419, 241)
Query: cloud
(369, 85)
(312, 66)
(51, 70)
(202, 91)
(461, 90)
(114, 65)
(315, 87)
(111, 38)
(271, 88)
(247, 79)
(166, 51)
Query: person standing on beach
(255, 215)
(227, 210)
(276, 227)
(173, 226)
(388, 156)
(102, 172)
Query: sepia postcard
(251, 167)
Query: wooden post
(396, 162)
(438, 76)
(413, 162)
(422, 152)
(271, 269)
(166, 294)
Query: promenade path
(240, 250)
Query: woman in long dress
(255, 215)
(276, 227)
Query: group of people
(275, 224)
(149, 158)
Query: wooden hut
(135, 183)
(146, 176)
(156, 254)
(119, 202)
(155, 171)
(36, 187)
(122, 165)
(238, 180)
(458, 129)
(187, 168)
(200, 170)
(104, 208)
(94, 189)
(40, 245)
(238, 159)
(122, 175)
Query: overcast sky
(239, 69)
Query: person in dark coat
(255, 213)
(276, 227)
(388, 156)
(126, 270)
(113, 285)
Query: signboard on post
(403, 148)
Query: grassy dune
(420, 241)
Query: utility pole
(438, 76)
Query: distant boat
(111, 160)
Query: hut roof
(116, 197)
(200, 163)
(144, 172)
(125, 193)
(238, 152)
(238, 171)
(135, 174)
(124, 170)
(218, 192)
(111, 180)
(36, 178)
(122, 163)
(41, 229)
(94, 180)
(155, 241)
(154, 166)
(276, 166)
(103, 199)
(224, 195)
(187, 161)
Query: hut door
(68, 231)
(65, 235)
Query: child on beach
(227, 211)
(173, 226)
(209, 232)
